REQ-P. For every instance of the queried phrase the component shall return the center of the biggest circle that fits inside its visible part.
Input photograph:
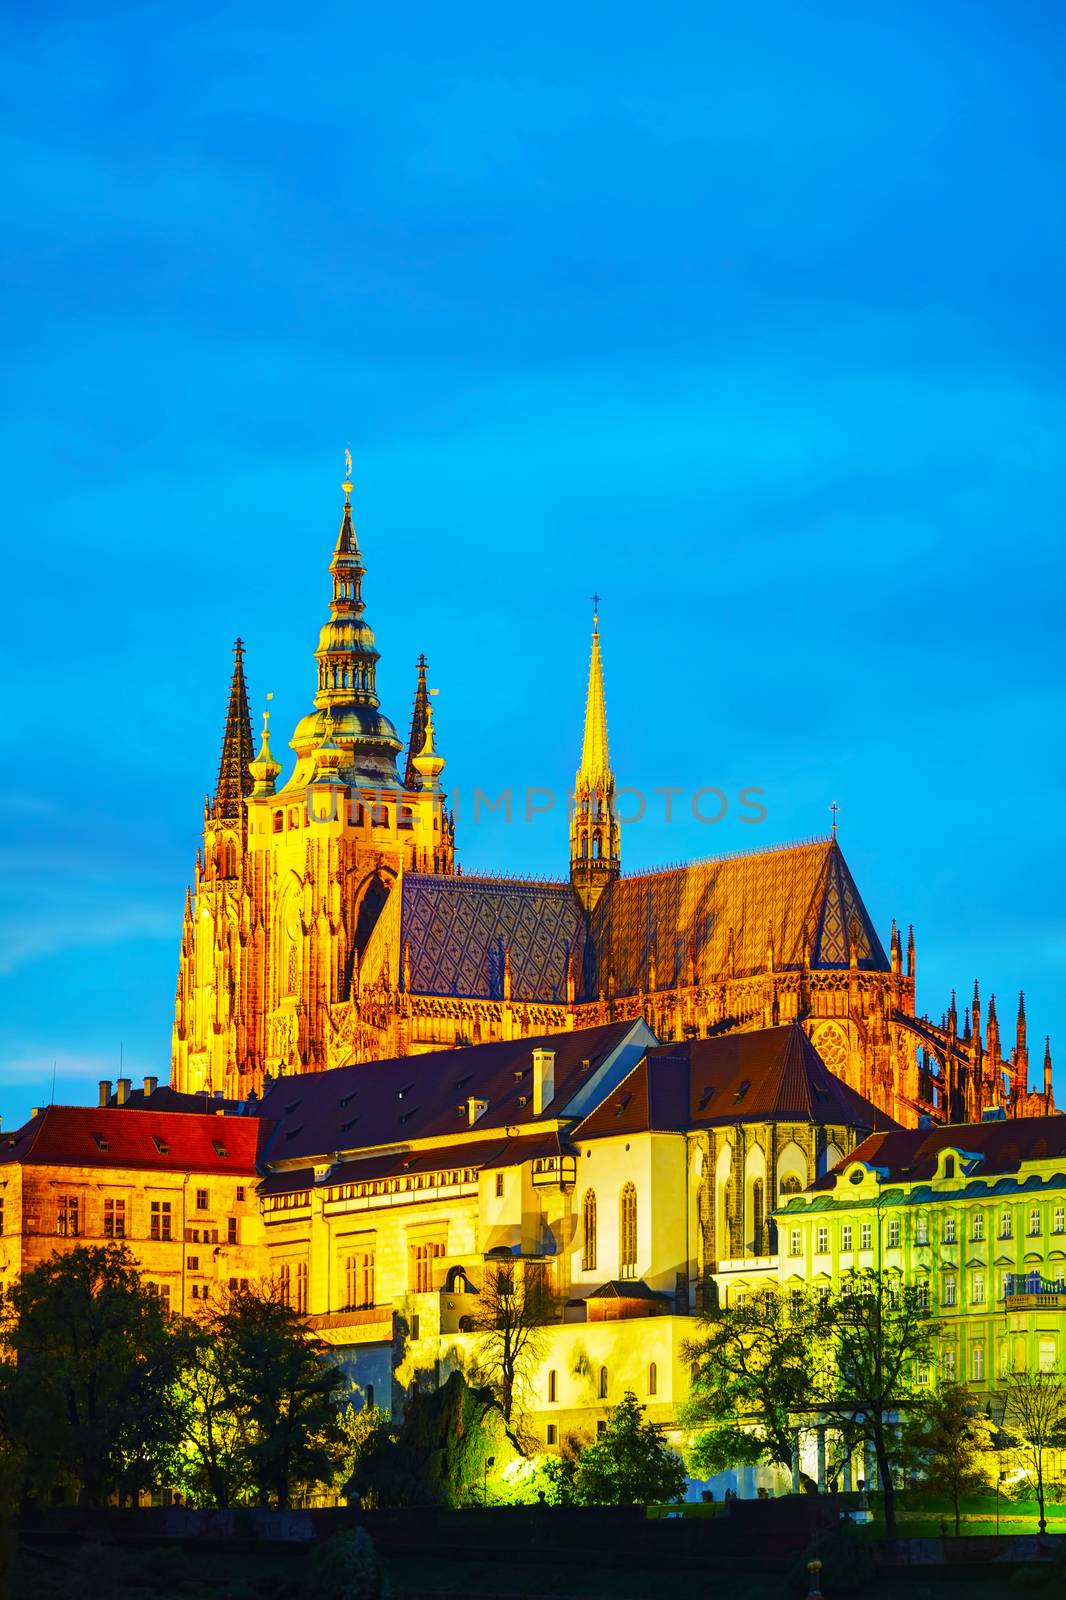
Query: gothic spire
(234, 779)
(419, 720)
(595, 759)
(1047, 1070)
(595, 846)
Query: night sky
(748, 317)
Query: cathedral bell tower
(595, 847)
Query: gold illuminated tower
(595, 848)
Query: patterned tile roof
(749, 898)
(768, 1075)
(458, 928)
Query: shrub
(344, 1568)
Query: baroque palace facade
(329, 923)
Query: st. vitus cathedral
(328, 922)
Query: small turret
(896, 949)
(264, 769)
(1048, 1096)
(910, 951)
(992, 1032)
(426, 766)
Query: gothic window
(704, 1251)
(653, 1379)
(285, 1283)
(627, 1233)
(553, 1386)
(603, 1383)
(758, 1239)
(588, 1223)
(301, 1286)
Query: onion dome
(264, 768)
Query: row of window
(976, 1281)
(603, 1386)
(922, 1235)
(627, 1231)
(70, 1221)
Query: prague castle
(329, 923)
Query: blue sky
(749, 317)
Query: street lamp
(999, 1485)
(490, 1461)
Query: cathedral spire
(234, 780)
(420, 716)
(347, 660)
(595, 759)
(1047, 1070)
(595, 848)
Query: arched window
(653, 1379)
(369, 1393)
(758, 1219)
(588, 1223)
(704, 1241)
(627, 1232)
(279, 821)
(603, 1383)
(553, 1386)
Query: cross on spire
(834, 808)
(596, 598)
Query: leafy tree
(879, 1334)
(86, 1390)
(215, 1421)
(630, 1464)
(949, 1439)
(1034, 1415)
(753, 1372)
(358, 1429)
(439, 1453)
(265, 1416)
(512, 1312)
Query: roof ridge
(523, 879)
(732, 855)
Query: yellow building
(178, 1187)
(973, 1215)
(328, 923)
(628, 1173)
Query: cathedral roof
(459, 930)
(500, 1150)
(768, 1075)
(999, 1148)
(385, 1103)
(112, 1136)
(723, 912)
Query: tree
(215, 1423)
(753, 1371)
(266, 1414)
(630, 1464)
(949, 1438)
(1034, 1415)
(86, 1391)
(439, 1453)
(880, 1334)
(513, 1310)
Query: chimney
(36, 1111)
(543, 1080)
(105, 1091)
(150, 1086)
(475, 1108)
(123, 1087)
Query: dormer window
(948, 1169)
(219, 1148)
(101, 1142)
(161, 1145)
(742, 1091)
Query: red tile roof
(424, 1097)
(112, 1136)
(769, 1075)
(910, 1154)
